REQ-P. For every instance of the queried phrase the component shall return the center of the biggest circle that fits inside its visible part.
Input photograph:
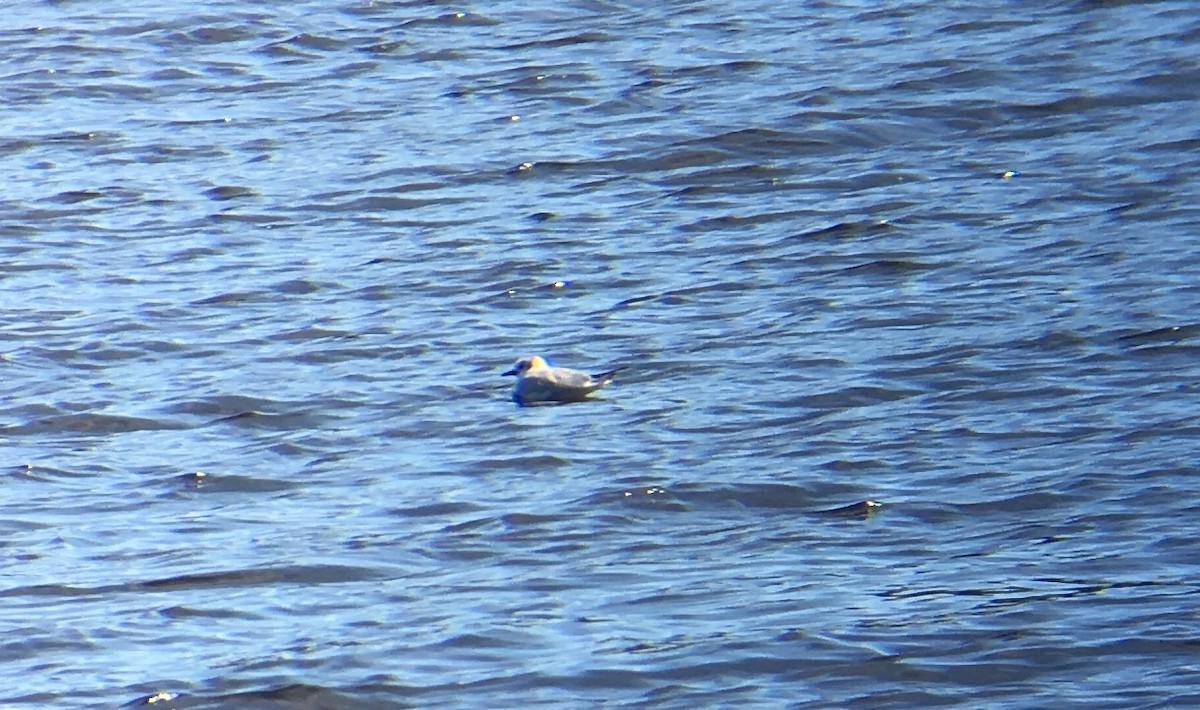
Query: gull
(537, 382)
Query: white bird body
(538, 382)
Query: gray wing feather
(563, 377)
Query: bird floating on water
(538, 382)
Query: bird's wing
(571, 379)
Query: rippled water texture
(262, 264)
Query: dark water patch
(15, 145)
(452, 19)
(910, 321)
(521, 463)
(173, 74)
(1055, 341)
(935, 360)
(271, 422)
(226, 405)
(765, 143)
(298, 287)
(849, 229)
(720, 70)
(995, 388)
(860, 509)
(218, 33)
(296, 574)
(43, 266)
(169, 152)
(186, 612)
(849, 466)
(477, 641)
(35, 410)
(645, 497)
(673, 160)
(42, 473)
(287, 696)
(591, 37)
(1168, 349)
(143, 347)
(267, 576)
(1033, 501)
(472, 525)
(724, 178)
(1182, 428)
(891, 267)
(514, 291)
(75, 196)
(883, 179)
(223, 193)
(313, 333)
(375, 292)
(727, 222)
(686, 296)
(89, 424)
(770, 496)
(528, 525)
(102, 352)
(233, 298)
(1168, 335)
(202, 482)
(1182, 146)
(304, 450)
(384, 204)
(438, 510)
(328, 356)
(852, 397)
(274, 220)
(294, 45)
(981, 26)
(72, 357)
(546, 169)
(75, 137)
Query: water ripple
(906, 296)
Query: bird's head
(525, 364)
